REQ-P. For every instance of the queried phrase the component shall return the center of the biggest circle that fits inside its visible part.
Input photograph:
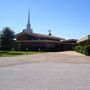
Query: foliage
(83, 49)
(7, 39)
(86, 50)
(79, 49)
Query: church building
(28, 40)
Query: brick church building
(28, 40)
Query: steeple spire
(28, 24)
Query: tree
(7, 39)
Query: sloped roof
(84, 38)
(39, 35)
(69, 40)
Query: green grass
(15, 53)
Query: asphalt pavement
(50, 73)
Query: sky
(69, 19)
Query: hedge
(83, 49)
(86, 50)
(79, 49)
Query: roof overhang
(84, 39)
(37, 41)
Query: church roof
(69, 41)
(39, 35)
(84, 39)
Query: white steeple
(28, 23)
(28, 26)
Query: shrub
(86, 50)
(79, 49)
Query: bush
(79, 49)
(86, 50)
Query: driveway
(49, 71)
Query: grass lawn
(15, 53)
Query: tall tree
(7, 39)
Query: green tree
(7, 39)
